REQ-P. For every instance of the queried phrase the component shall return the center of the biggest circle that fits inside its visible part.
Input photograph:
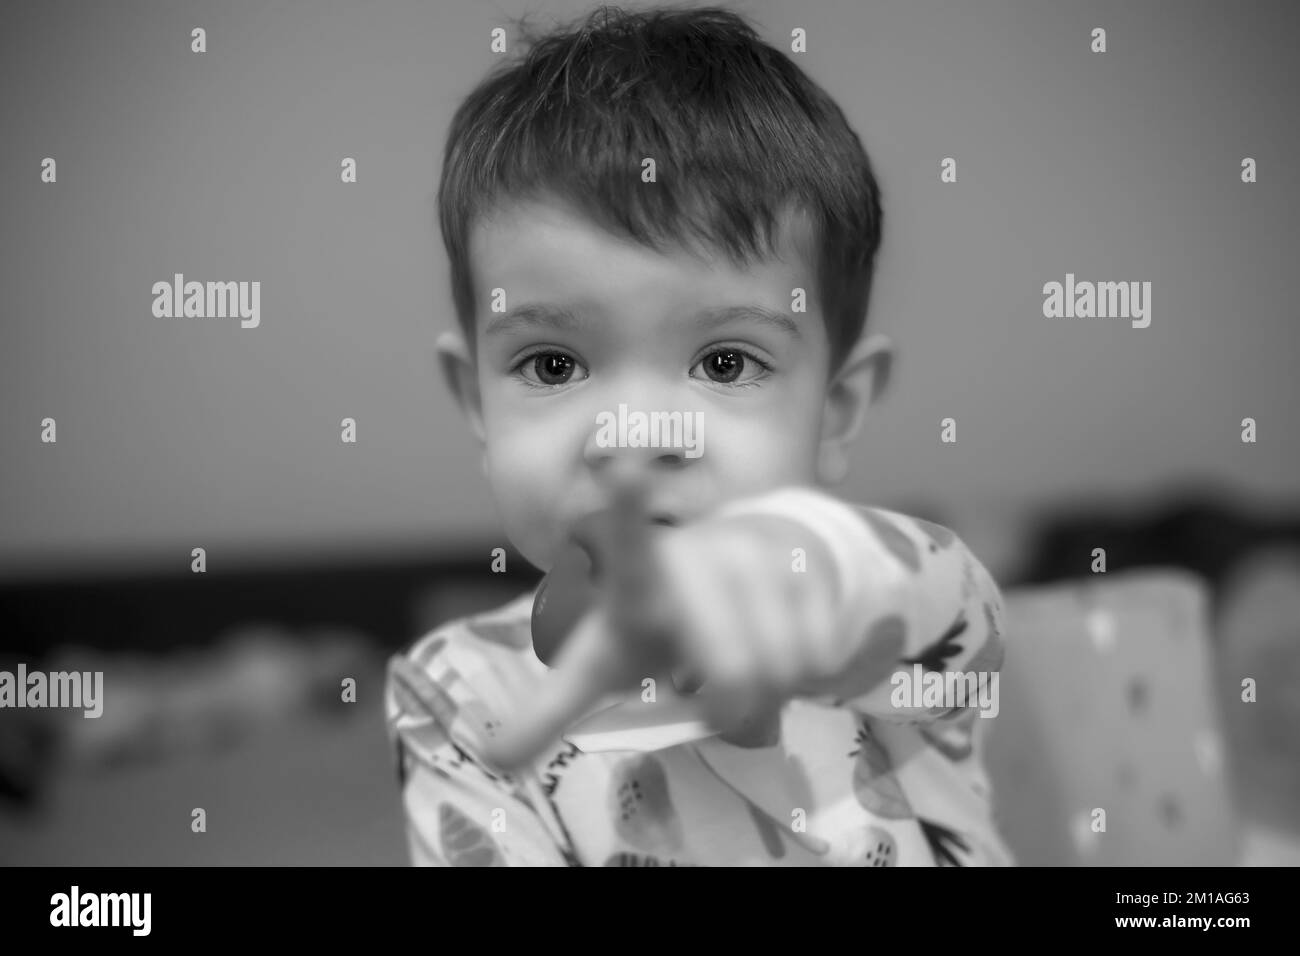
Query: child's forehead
(544, 236)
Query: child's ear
(461, 375)
(859, 383)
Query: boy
(659, 212)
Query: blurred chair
(1107, 705)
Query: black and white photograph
(544, 433)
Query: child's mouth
(585, 533)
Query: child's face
(639, 341)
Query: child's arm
(910, 592)
(877, 594)
(458, 813)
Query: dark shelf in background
(154, 612)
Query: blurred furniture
(1109, 719)
(306, 790)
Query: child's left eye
(729, 362)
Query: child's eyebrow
(561, 319)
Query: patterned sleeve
(915, 602)
(459, 812)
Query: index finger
(610, 646)
(584, 673)
(639, 622)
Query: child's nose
(604, 458)
(644, 436)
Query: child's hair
(736, 130)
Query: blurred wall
(225, 166)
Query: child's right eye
(551, 367)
